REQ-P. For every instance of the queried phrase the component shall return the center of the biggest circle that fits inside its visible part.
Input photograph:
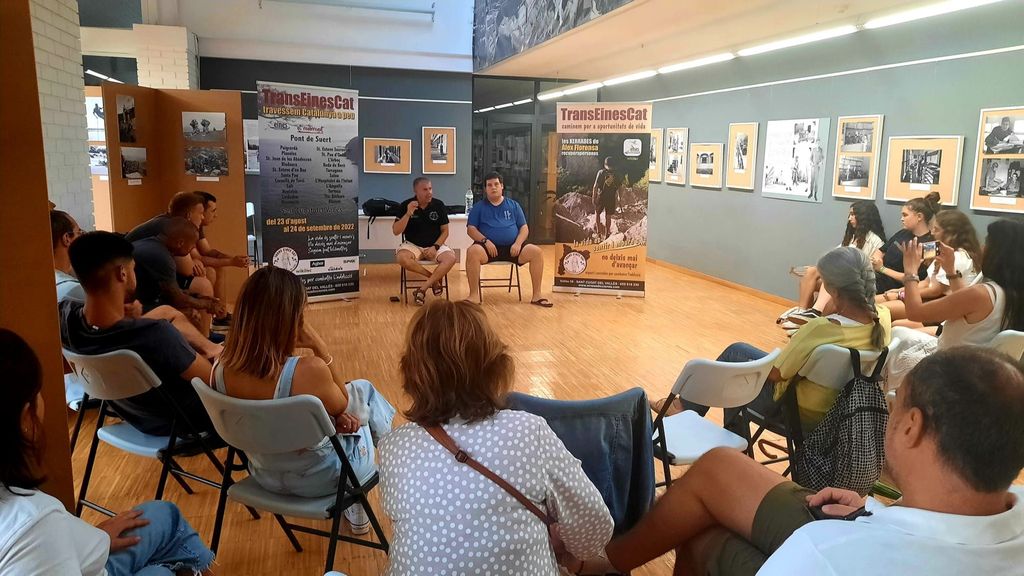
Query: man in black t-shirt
(424, 224)
(105, 266)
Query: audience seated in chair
(260, 363)
(210, 261)
(954, 444)
(159, 284)
(457, 373)
(39, 535)
(103, 263)
(973, 315)
(424, 224)
(916, 220)
(857, 323)
(498, 228)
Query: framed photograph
(438, 150)
(742, 145)
(251, 135)
(387, 156)
(706, 165)
(918, 165)
(206, 161)
(1000, 160)
(677, 141)
(204, 126)
(654, 173)
(98, 159)
(94, 119)
(125, 118)
(858, 141)
(133, 162)
(794, 159)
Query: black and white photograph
(206, 161)
(204, 126)
(794, 159)
(125, 118)
(1004, 134)
(133, 162)
(705, 163)
(439, 148)
(1001, 177)
(504, 28)
(858, 136)
(674, 166)
(854, 171)
(388, 155)
(921, 166)
(94, 118)
(677, 141)
(251, 135)
(98, 159)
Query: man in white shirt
(954, 446)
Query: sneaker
(806, 314)
(217, 338)
(357, 517)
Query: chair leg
(179, 479)
(91, 460)
(166, 458)
(253, 512)
(222, 500)
(519, 285)
(332, 545)
(376, 525)
(288, 532)
(78, 421)
(402, 280)
(511, 268)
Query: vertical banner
(308, 161)
(601, 210)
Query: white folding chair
(1009, 342)
(500, 282)
(683, 438)
(276, 427)
(116, 376)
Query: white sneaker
(357, 517)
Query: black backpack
(847, 449)
(375, 207)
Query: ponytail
(927, 206)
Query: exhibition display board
(309, 183)
(601, 206)
(154, 150)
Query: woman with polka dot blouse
(448, 518)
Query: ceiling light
(696, 63)
(500, 106)
(550, 95)
(631, 77)
(488, 109)
(798, 40)
(583, 88)
(523, 101)
(925, 12)
(96, 74)
(109, 79)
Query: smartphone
(929, 250)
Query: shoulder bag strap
(442, 437)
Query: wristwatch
(482, 242)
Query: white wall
(62, 107)
(288, 31)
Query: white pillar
(167, 56)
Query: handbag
(563, 556)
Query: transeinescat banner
(308, 152)
(601, 206)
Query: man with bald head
(157, 274)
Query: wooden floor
(585, 347)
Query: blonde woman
(457, 372)
(260, 363)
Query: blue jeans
(377, 414)
(764, 403)
(168, 544)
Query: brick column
(166, 57)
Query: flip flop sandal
(437, 289)
(543, 303)
(675, 408)
(419, 297)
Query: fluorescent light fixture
(523, 101)
(96, 74)
(631, 77)
(114, 80)
(550, 95)
(488, 109)
(798, 40)
(505, 105)
(583, 88)
(926, 12)
(696, 63)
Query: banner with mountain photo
(309, 159)
(601, 197)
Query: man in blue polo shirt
(498, 228)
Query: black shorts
(184, 281)
(505, 254)
(607, 203)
